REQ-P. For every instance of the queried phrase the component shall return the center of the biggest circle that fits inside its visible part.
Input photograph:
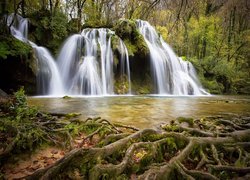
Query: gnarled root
(151, 154)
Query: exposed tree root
(152, 154)
(206, 148)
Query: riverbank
(42, 145)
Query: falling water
(79, 62)
(48, 78)
(171, 75)
(85, 65)
(125, 64)
(19, 28)
(87, 78)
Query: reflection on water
(145, 111)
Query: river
(144, 111)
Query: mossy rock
(121, 85)
(18, 66)
(143, 85)
(127, 31)
(125, 28)
(10, 46)
(190, 121)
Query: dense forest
(212, 34)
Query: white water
(125, 64)
(48, 78)
(87, 80)
(85, 65)
(171, 75)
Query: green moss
(66, 97)
(49, 31)
(212, 86)
(121, 177)
(71, 115)
(132, 49)
(152, 137)
(122, 85)
(142, 86)
(169, 127)
(10, 46)
(76, 128)
(134, 41)
(190, 121)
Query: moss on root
(208, 148)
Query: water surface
(144, 111)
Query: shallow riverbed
(144, 111)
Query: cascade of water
(85, 65)
(87, 78)
(94, 77)
(106, 61)
(125, 64)
(68, 60)
(19, 28)
(171, 74)
(48, 78)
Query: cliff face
(18, 68)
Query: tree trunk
(23, 8)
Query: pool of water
(144, 111)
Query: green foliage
(4, 50)
(20, 108)
(122, 85)
(50, 30)
(171, 145)
(76, 128)
(213, 40)
(190, 121)
(170, 127)
(19, 125)
(134, 41)
(10, 46)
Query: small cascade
(19, 28)
(171, 75)
(48, 77)
(87, 80)
(93, 46)
(124, 61)
(68, 60)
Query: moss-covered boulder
(127, 31)
(138, 54)
(17, 66)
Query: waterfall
(87, 78)
(48, 77)
(19, 28)
(171, 75)
(80, 77)
(86, 65)
(125, 64)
